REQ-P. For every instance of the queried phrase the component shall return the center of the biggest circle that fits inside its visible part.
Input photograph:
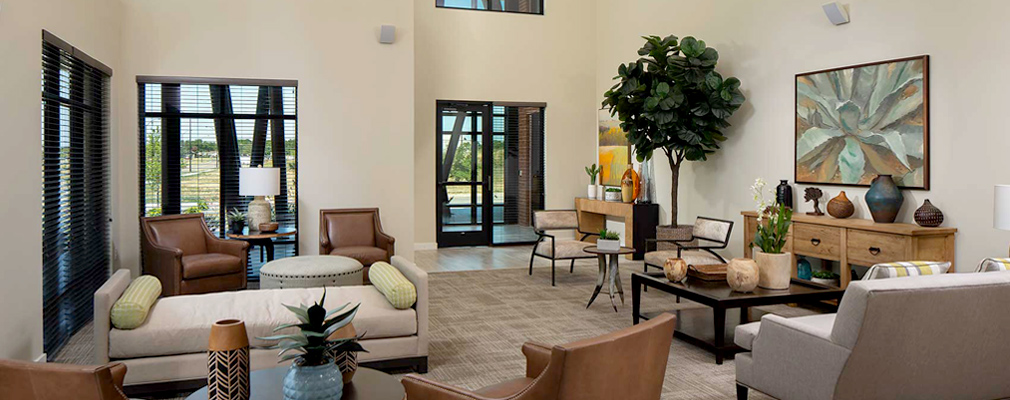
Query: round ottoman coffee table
(311, 271)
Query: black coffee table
(368, 384)
(707, 328)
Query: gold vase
(630, 185)
(228, 361)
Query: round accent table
(368, 384)
(311, 271)
(263, 239)
(615, 272)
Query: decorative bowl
(269, 227)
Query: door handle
(815, 241)
(874, 250)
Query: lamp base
(259, 213)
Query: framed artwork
(614, 149)
(854, 123)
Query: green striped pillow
(391, 283)
(130, 311)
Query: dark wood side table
(264, 239)
(368, 384)
(707, 328)
(615, 273)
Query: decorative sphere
(675, 269)
(742, 274)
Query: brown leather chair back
(185, 232)
(347, 228)
(34, 381)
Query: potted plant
(826, 278)
(609, 240)
(613, 194)
(672, 99)
(236, 221)
(592, 171)
(314, 375)
(773, 221)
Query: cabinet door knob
(874, 250)
(815, 241)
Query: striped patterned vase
(346, 360)
(228, 361)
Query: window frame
(541, 13)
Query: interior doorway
(492, 151)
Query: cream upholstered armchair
(710, 234)
(549, 247)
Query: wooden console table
(859, 241)
(640, 221)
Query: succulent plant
(825, 275)
(311, 345)
(236, 215)
(592, 172)
(609, 235)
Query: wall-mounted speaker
(836, 13)
(387, 34)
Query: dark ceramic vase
(884, 199)
(784, 194)
(928, 215)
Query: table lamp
(1001, 207)
(259, 182)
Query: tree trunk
(675, 183)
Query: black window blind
(75, 187)
(195, 135)
(510, 6)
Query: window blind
(195, 135)
(511, 6)
(75, 187)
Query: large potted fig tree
(673, 100)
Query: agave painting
(855, 123)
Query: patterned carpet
(480, 319)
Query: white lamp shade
(1001, 207)
(259, 181)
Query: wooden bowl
(269, 227)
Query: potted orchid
(773, 222)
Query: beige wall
(355, 98)
(487, 56)
(766, 43)
(94, 27)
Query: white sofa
(171, 345)
(928, 337)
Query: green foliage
(825, 275)
(614, 189)
(311, 346)
(771, 235)
(673, 99)
(236, 215)
(592, 172)
(609, 235)
(200, 207)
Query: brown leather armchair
(629, 364)
(35, 381)
(355, 233)
(188, 259)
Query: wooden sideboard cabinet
(640, 221)
(859, 241)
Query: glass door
(463, 171)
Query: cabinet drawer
(817, 241)
(868, 248)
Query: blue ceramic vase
(884, 199)
(322, 382)
(803, 269)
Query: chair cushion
(994, 265)
(390, 281)
(505, 389)
(130, 311)
(906, 268)
(180, 324)
(210, 264)
(366, 255)
(692, 257)
(565, 249)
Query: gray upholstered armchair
(549, 247)
(709, 235)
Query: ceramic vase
(784, 194)
(236, 227)
(742, 275)
(591, 192)
(629, 185)
(228, 361)
(320, 382)
(884, 199)
(347, 361)
(648, 193)
(841, 207)
(774, 270)
(608, 245)
(928, 215)
(803, 269)
(675, 269)
(599, 192)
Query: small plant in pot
(613, 194)
(236, 221)
(773, 221)
(825, 278)
(609, 240)
(314, 375)
(592, 171)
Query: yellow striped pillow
(906, 268)
(130, 311)
(994, 265)
(391, 283)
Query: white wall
(355, 97)
(766, 43)
(489, 56)
(92, 26)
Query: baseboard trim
(42, 359)
(425, 246)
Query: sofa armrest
(419, 278)
(786, 352)
(104, 299)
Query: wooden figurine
(814, 194)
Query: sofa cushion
(906, 268)
(364, 254)
(994, 265)
(398, 290)
(210, 264)
(130, 311)
(565, 249)
(181, 324)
